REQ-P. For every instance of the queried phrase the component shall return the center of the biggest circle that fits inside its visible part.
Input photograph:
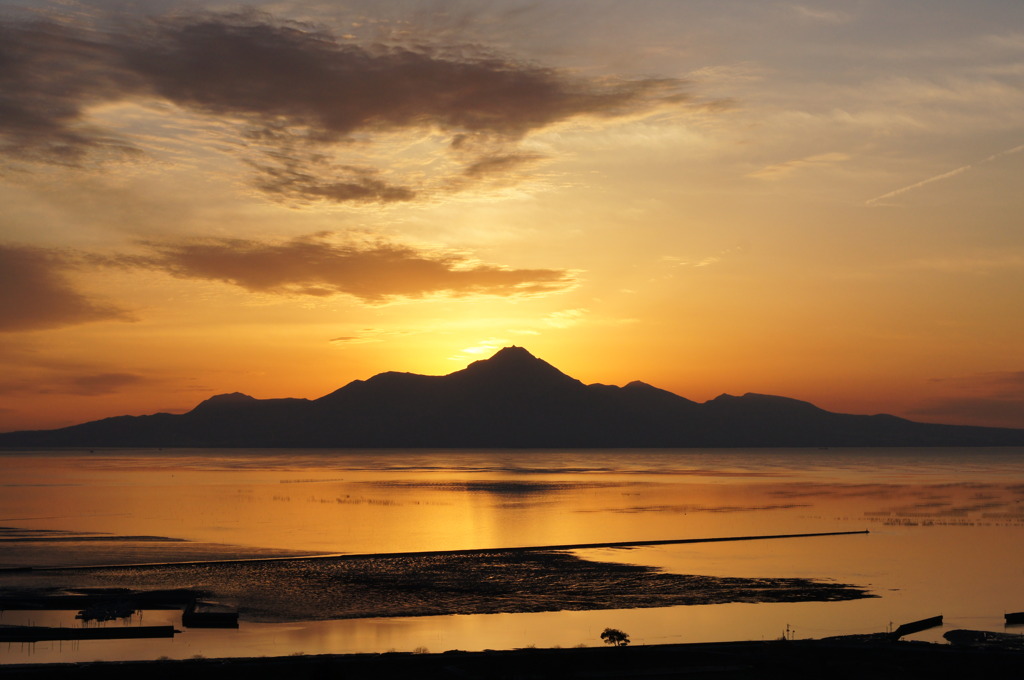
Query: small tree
(615, 637)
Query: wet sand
(430, 584)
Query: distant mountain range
(511, 400)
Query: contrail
(945, 175)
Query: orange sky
(819, 200)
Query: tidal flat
(515, 581)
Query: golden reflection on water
(946, 529)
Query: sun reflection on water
(945, 530)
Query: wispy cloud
(818, 161)
(683, 262)
(946, 175)
(700, 262)
(364, 336)
(565, 318)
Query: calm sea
(946, 529)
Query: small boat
(917, 626)
(1014, 617)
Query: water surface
(946, 528)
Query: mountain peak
(515, 365)
(220, 401)
(512, 353)
(230, 398)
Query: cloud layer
(294, 92)
(38, 294)
(313, 265)
(42, 296)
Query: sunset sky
(821, 200)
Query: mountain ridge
(510, 400)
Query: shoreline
(792, 659)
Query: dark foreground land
(789, 659)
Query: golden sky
(820, 200)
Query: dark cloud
(49, 73)
(38, 295)
(290, 87)
(286, 73)
(500, 164)
(994, 399)
(315, 266)
(340, 184)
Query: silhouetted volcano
(515, 366)
(511, 400)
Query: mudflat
(514, 581)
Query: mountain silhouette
(511, 400)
